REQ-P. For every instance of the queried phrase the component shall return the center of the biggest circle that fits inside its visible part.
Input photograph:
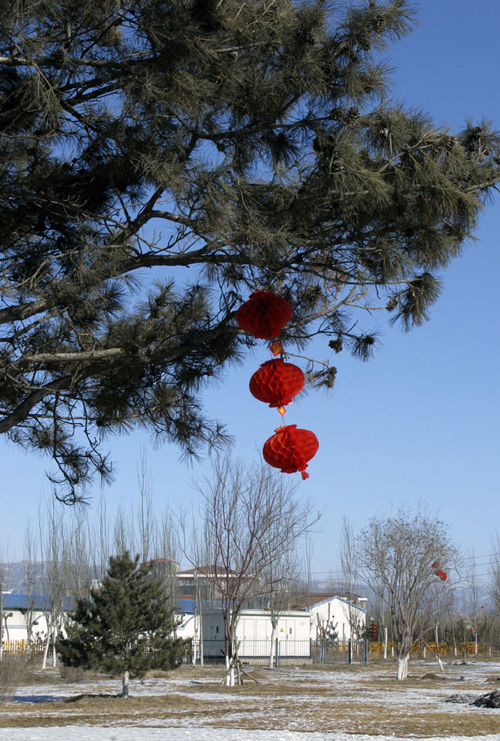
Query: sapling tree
(395, 555)
(252, 142)
(29, 568)
(495, 573)
(250, 520)
(3, 586)
(124, 627)
(348, 565)
(55, 540)
(436, 605)
(277, 580)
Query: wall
(16, 626)
(336, 612)
(254, 631)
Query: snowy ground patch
(340, 703)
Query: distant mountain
(14, 577)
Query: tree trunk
(125, 680)
(229, 682)
(403, 666)
(385, 642)
(54, 652)
(272, 647)
(199, 617)
(46, 650)
(47, 646)
(1, 623)
(436, 640)
(229, 646)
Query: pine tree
(125, 628)
(249, 141)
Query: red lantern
(442, 575)
(290, 449)
(277, 382)
(264, 315)
(435, 565)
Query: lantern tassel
(304, 475)
(276, 348)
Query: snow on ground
(189, 729)
(124, 733)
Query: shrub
(13, 673)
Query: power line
(494, 556)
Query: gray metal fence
(285, 651)
(257, 650)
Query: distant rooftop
(208, 570)
(38, 602)
(306, 601)
(188, 606)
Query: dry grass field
(354, 699)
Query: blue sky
(419, 422)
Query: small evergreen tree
(125, 627)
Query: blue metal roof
(188, 606)
(42, 602)
(38, 602)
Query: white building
(338, 615)
(16, 609)
(188, 615)
(254, 635)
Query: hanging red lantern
(442, 575)
(435, 565)
(264, 315)
(276, 382)
(290, 449)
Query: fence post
(349, 644)
(277, 652)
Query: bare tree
(277, 579)
(326, 630)
(308, 556)
(29, 565)
(124, 535)
(99, 543)
(495, 572)
(250, 520)
(79, 552)
(397, 555)
(472, 602)
(436, 605)
(348, 565)
(2, 587)
(165, 550)
(146, 519)
(55, 550)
